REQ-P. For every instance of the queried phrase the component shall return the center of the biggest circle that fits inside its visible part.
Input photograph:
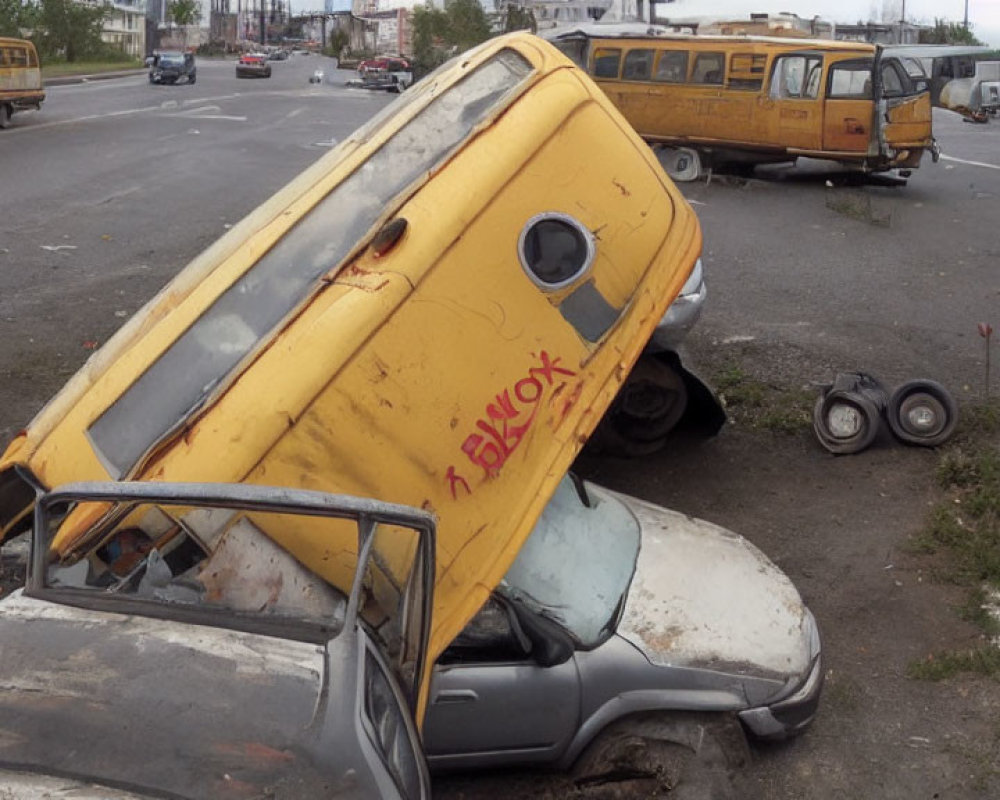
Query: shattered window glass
(576, 566)
(187, 373)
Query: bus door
(791, 114)
(903, 106)
(849, 110)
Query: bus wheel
(680, 163)
(4, 115)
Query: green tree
(338, 40)
(437, 33)
(184, 12)
(70, 29)
(517, 18)
(945, 32)
(15, 16)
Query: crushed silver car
(182, 652)
(620, 619)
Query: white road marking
(970, 163)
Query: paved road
(115, 185)
(891, 279)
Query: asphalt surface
(115, 185)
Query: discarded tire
(922, 412)
(848, 414)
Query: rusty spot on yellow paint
(621, 188)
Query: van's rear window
(180, 381)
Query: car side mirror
(150, 61)
(549, 645)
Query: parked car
(390, 73)
(170, 66)
(436, 313)
(253, 65)
(181, 651)
(621, 622)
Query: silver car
(623, 621)
(180, 651)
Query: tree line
(71, 31)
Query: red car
(253, 65)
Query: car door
(849, 106)
(791, 115)
(491, 704)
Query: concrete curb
(66, 80)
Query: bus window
(606, 61)
(672, 67)
(746, 71)
(851, 80)
(17, 57)
(796, 77)
(638, 65)
(708, 68)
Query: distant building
(125, 26)
(880, 32)
(784, 25)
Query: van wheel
(4, 115)
(680, 163)
(683, 757)
(648, 407)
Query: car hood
(703, 596)
(151, 705)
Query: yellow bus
(753, 99)
(20, 78)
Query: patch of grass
(762, 406)
(939, 666)
(965, 527)
(858, 205)
(61, 68)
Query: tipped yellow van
(437, 313)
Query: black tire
(865, 408)
(903, 412)
(5, 115)
(191, 78)
(648, 407)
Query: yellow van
(20, 78)
(437, 313)
(753, 99)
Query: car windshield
(576, 566)
(177, 384)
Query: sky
(984, 15)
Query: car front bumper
(790, 716)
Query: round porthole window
(555, 249)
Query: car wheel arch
(634, 708)
(676, 747)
